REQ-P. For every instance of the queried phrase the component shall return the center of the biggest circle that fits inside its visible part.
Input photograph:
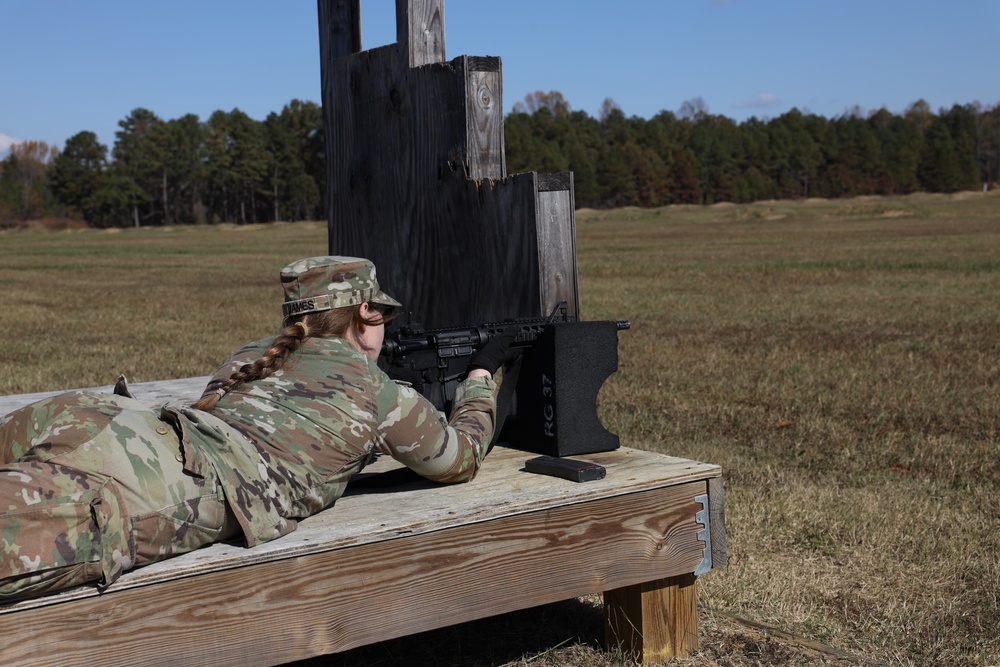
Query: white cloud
(759, 101)
(5, 144)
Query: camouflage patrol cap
(322, 283)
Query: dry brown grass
(842, 366)
(838, 359)
(82, 306)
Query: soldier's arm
(417, 435)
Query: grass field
(839, 359)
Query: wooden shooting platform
(417, 182)
(389, 560)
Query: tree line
(235, 169)
(228, 168)
(694, 157)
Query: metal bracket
(705, 534)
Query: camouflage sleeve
(416, 434)
(242, 356)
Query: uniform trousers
(92, 485)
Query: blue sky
(72, 65)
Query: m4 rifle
(548, 399)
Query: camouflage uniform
(92, 485)
(315, 424)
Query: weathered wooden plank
(151, 393)
(653, 621)
(717, 521)
(339, 29)
(484, 119)
(556, 229)
(420, 31)
(323, 602)
(559, 181)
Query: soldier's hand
(495, 354)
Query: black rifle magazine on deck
(571, 469)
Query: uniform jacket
(284, 447)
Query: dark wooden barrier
(417, 182)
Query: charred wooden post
(417, 180)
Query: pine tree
(79, 173)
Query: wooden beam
(655, 621)
(339, 29)
(556, 225)
(484, 118)
(339, 36)
(420, 31)
(717, 521)
(295, 608)
(152, 393)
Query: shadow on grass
(517, 636)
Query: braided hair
(295, 331)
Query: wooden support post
(556, 216)
(655, 621)
(484, 144)
(420, 31)
(717, 521)
(339, 29)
